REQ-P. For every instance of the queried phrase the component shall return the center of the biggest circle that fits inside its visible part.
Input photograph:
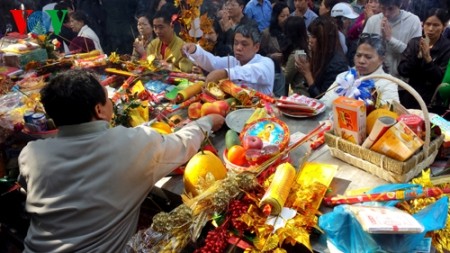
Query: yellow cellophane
(190, 91)
(278, 190)
(235, 91)
(139, 115)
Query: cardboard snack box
(349, 117)
(399, 142)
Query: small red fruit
(252, 142)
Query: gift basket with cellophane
(386, 161)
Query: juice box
(399, 142)
(349, 117)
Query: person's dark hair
(295, 30)
(375, 41)
(325, 30)
(218, 30)
(397, 3)
(221, 48)
(441, 14)
(164, 14)
(63, 6)
(71, 96)
(216, 27)
(80, 16)
(276, 11)
(249, 31)
(239, 2)
(153, 6)
(144, 15)
(331, 3)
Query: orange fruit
(198, 167)
(236, 155)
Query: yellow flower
(114, 58)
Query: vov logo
(35, 21)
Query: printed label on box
(350, 119)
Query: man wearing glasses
(233, 18)
(396, 27)
(246, 66)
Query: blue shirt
(308, 17)
(261, 13)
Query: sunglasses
(369, 36)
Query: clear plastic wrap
(346, 234)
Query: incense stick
(85, 43)
(132, 32)
(228, 66)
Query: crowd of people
(327, 31)
(275, 47)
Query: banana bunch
(259, 113)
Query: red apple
(223, 106)
(252, 142)
(194, 110)
(209, 108)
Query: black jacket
(337, 65)
(423, 77)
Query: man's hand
(188, 48)
(197, 70)
(386, 29)
(225, 22)
(216, 75)
(216, 120)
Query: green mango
(231, 139)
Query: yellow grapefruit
(375, 114)
(202, 164)
(161, 127)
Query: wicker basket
(380, 165)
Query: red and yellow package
(349, 116)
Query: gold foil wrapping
(279, 189)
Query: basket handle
(416, 95)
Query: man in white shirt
(397, 27)
(245, 67)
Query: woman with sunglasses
(326, 59)
(368, 60)
(425, 59)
